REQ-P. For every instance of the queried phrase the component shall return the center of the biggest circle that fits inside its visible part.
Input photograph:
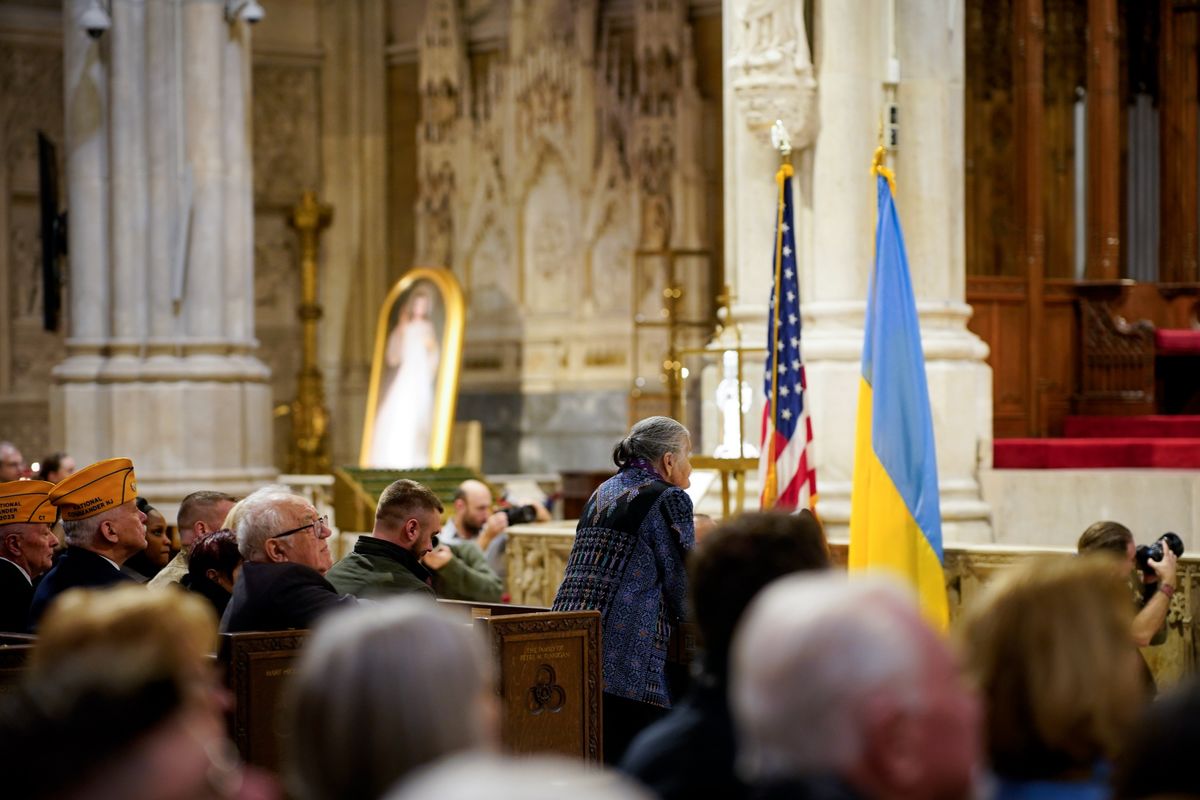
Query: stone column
(931, 46)
(204, 30)
(237, 189)
(86, 119)
(835, 214)
(163, 141)
(160, 370)
(128, 149)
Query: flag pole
(781, 142)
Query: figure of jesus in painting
(404, 416)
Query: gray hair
(261, 515)
(811, 651)
(539, 777)
(82, 532)
(651, 439)
(401, 680)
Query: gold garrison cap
(95, 489)
(26, 501)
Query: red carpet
(1175, 342)
(1116, 453)
(1132, 427)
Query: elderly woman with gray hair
(627, 562)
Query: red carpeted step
(1177, 342)
(1147, 427)
(1116, 453)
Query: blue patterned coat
(628, 563)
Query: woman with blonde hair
(380, 691)
(1048, 647)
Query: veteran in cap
(103, 528)
(27, 544)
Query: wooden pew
(548, 678)
(475, 609)
(257, 666)
(15, 649)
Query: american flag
(788, 474)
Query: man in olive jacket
(461, 572)
(388, 562)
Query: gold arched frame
(446, 391)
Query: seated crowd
(809, 683)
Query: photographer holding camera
(1155, 566)
(473, 520)
(475, 523)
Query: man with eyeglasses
(285, 550)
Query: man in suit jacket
(26, 547)
(103, 528)
(283, 544)
(200, 513)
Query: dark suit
(16, 593)
(76, 568)
(690, 752)
(277, 597)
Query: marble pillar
(160, 364)
(834, 115)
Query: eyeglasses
(322, 521)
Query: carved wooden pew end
(548, 678)
(549, 681)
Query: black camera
(519, 515)
(1154, 552)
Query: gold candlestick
(309, 452)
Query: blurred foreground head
(475, 776)
(120, 701)
(381, 690)
(1048, 647)
(1157, 761)
(733, 563)
(840, 677)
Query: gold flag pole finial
(878, 167)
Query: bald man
(473, 519)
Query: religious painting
(414, 373)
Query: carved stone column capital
(771, 69)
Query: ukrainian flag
(895, 517)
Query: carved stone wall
(287, 160)
(31, 100)
(537, 557)
(542, 169)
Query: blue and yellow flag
(895, 517)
